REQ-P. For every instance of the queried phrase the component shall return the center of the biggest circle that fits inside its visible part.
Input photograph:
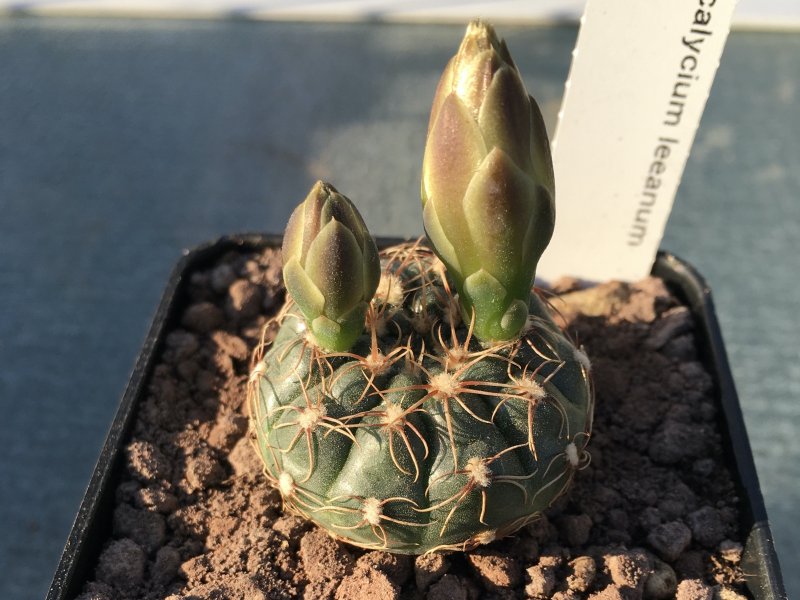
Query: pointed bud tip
(323, 189)
(480, 36)
(480, 30)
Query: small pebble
(707, 526)
(233, 346)
(617, 519)
(670, 540)
(677, 501)
(541, 581)
(181, 345)
(690, 565)
(379, 585)
(611, 592)
(650, 518)
(397, 567)
(165, 568)
(323, 557)
(148, 529)
(243, 459)
(695, 372)
(449, 587)
(662, 582)
(731, 551)
(221, 277)
(629, 569)
(203, 471)
(525, 548)
(429, 568)
(576, 529)
(290, 526)
(549, 559)
(728, 593)
(704, 466)
(96, 590)
(202, 317)
(146, 462)
(675, 441)
(122, 564)
(583, 571)
(681, 348)
(127, 491)
(244, 299)
(674, 322)
(227, 430)
(694, 589)
(157, 499)
(542, 530)
(495, 569)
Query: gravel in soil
(655, 515)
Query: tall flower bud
(487, 183)
(330, 266)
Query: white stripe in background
(772, 14)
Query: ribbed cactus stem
(420, 440)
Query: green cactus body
(420, 438)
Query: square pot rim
(759, 561)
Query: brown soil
(653, 516)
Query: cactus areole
(423, 400)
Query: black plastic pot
(92, 525)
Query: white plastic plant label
(640, 77)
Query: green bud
(330, 266)
(487, 183)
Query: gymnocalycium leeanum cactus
(419, 400)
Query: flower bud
(330, 266)
(487, 183)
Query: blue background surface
(122, 142)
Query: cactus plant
(428, 402)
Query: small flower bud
(330, 266)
